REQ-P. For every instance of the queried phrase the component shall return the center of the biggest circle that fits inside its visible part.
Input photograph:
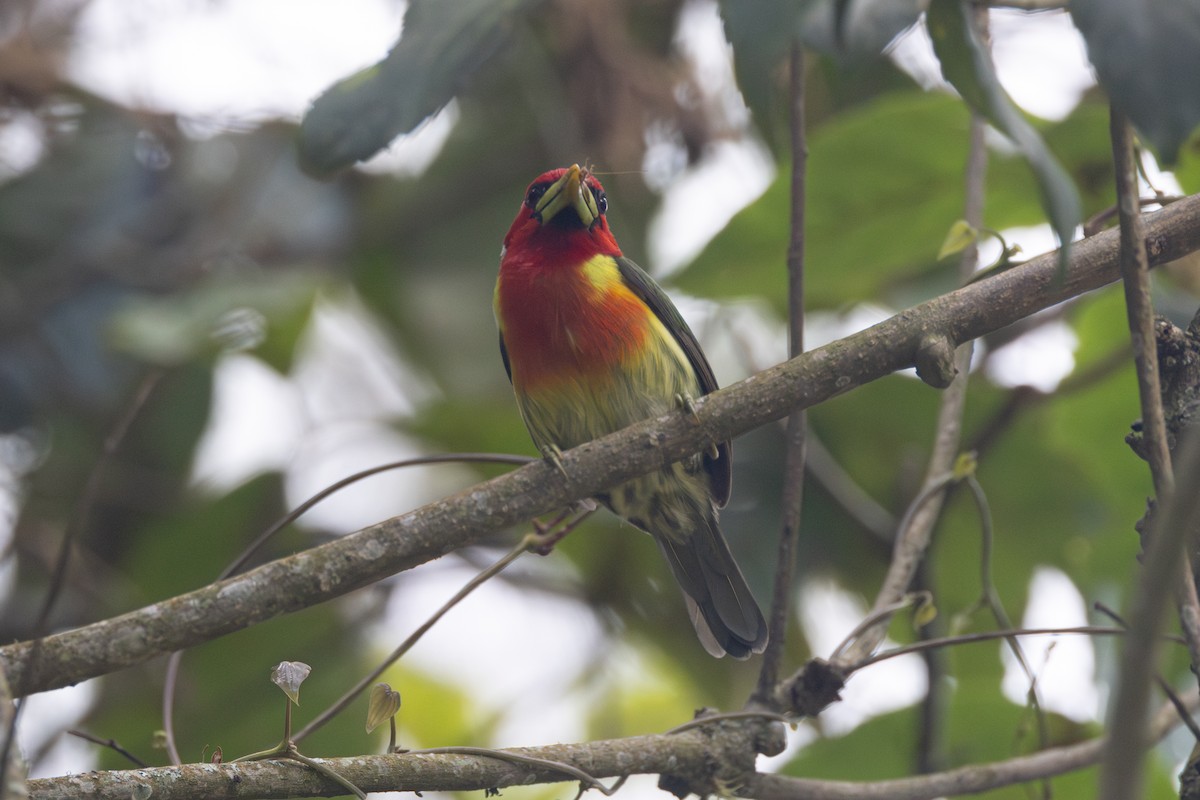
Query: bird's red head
(562, 219)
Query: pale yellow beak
(569, 191)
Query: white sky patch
(515, 650)
(254, 425)
(1045, 355)
(1160, 180)
(21, 144)
(912, 52)
(411, 154)
(743, 337)
(347, 368)
(702, 200)
(700, 37)
(1065, 667)
(1040, 59)
(823, 327)
(18, 456)
(699, 201)
(1040, 358)
(336, 450)
(236, 61)
(44, 718)
(828, 613)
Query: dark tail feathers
(723, 610)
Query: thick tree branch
(696, 752)
(397, 544)
(973, 779)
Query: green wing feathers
(720, 468)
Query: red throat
(547, 304)
(558, 242)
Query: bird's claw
(547, 535)
(688, 404)
(552, 454)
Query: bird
(591, 345)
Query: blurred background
(243, 332)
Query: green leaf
(1147, 55)
(382, 704)
(252, 312)
(443, 46)
(925, 612)
(961, 236)
(967, 66)
(884, 184)
(857, 29)
(761, 33)
(288, 675)
(1187, 167)
(888, 739)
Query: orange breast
(571, 324)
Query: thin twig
(111, 744)
(829, 473)
(1135, 273)
(87, 497)
(876, 618)
(520, 758)
(984, 636)
(1172, 525)
(75, 526)
(700, 722)
(528, 542)
(690, 751)
(973, 779)
(915, 531)
(1122, 768)
(797, 423)
(1098, 221)
(419, 461)
(325, 770)
(175, 662)
(990, 599)
(1166, 687)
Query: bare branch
(912, 539)
(397, 544)
(972, 779)
(797, 422)
(693, 752)
(1167, 564)
(690, 752)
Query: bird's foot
(552, 454)
(551, 533)
(688, 404)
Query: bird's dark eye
(602, 201)
(535, 193)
